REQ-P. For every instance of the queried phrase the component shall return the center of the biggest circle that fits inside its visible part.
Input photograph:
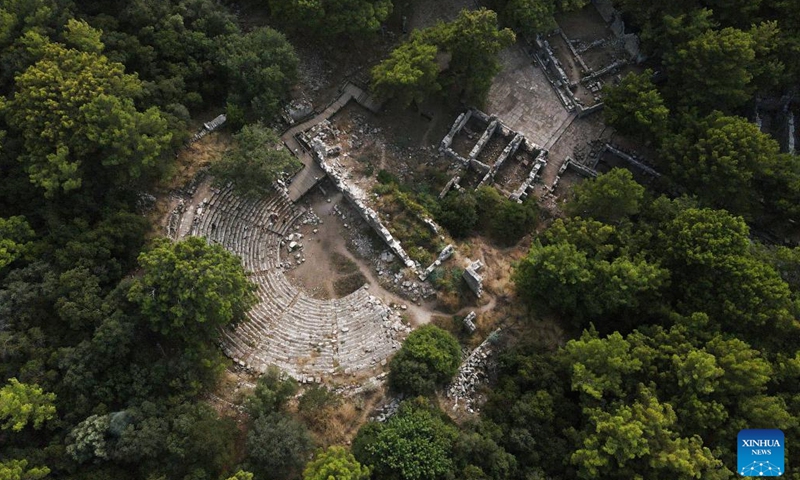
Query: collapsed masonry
(473, 278)
(519, 151)
(472, 373)
(209, 127)
(611, 156)
(469, 322)
(446, 253)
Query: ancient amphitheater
(311, 339)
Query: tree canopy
(610, 198)
(255, 161)
(261, 66)
(428, 358)
(724, 160)
(22, 404)
(190, 288)
(635, 107)
(75, 112)
(414, 444)
(278, 445)
(338, 18)
(468, 45)
(410, 74)
(335, 463)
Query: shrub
(429, 358)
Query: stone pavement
(522, 97)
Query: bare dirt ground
(351, 238)
(585, 25)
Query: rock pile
(471, 374)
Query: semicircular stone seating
(306, 337)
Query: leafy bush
(458, 213)
(429, 357)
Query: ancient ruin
(499, 157)
(310, 339)
(578, 62)
(473, 278)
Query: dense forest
(683, 321)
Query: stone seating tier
(307, 337)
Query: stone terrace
(310, 339)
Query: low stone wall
(461, 120)
(522, 191)
(446, 253)
(631, 160)
(581, 170)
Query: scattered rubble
(469, 322)
(471, 374)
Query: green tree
(719, 158)
(600, 367)
(255, 161)
(409, 74)
(18, 470)
(530, 17)
(713, 70)
(22, 404)
(88, 441)
(477, 452)
(317, 403)
(74, 111)
(737, 13)
(278, 445)
(666, 26)
(273, 390)
(457, 213)
(571, 5)
(474, 40)
(261, 67)
(414, 444)
(506, 221)
(626, 440)
(428, 358)
(189, 289)
(635, 107)
(241, 475)
(79, 35)
(15, 239)
(610, 197)
(335, 463)
(703, 237)
(514, 220)
(467, 47)
(582, 283)
(332, 18)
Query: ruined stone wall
(369, 215)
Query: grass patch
(404, 215)
(342, 264)
(349, 284)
